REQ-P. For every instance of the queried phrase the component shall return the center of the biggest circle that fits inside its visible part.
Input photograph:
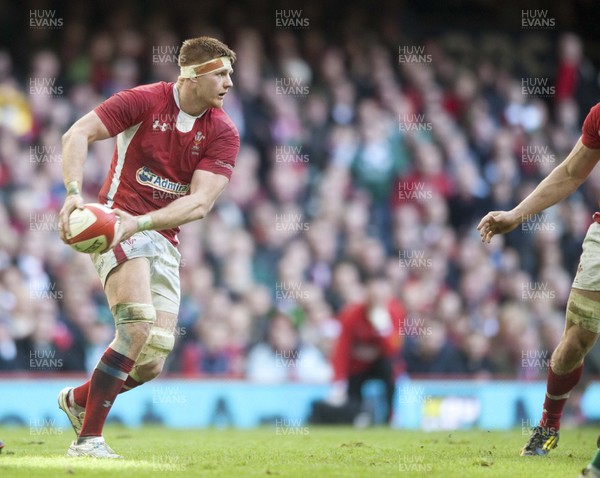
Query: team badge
(196, 146)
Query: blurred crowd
(365, 151)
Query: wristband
(73, 188)
(144, 222)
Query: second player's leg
(577, 338)
(566, 365)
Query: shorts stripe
(163, 259)
(120, 255)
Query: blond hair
(201, 49)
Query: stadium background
(373, 140)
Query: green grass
(321, 452)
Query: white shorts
(588, 271)
(163, 259)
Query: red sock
(80, 393)
(557, 392)
(106, 382)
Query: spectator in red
(567, 74)
(369, 344)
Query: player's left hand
(497, 222)
(127, 227)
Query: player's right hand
(127, 227)
(497, 222)
(72, 202)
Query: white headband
(201, 69)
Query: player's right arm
(558, 185)
(75, 144)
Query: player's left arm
(205, 188)
(558, 185)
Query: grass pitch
(306, 452)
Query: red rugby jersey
(590, 131)
(159, 147)
(358, 332)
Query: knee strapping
(130, 312)
(583, 311)
(160, 342)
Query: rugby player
(582, 324)
(175, 152)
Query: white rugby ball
(92, 229)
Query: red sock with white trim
(106, 382)
(557, 392)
